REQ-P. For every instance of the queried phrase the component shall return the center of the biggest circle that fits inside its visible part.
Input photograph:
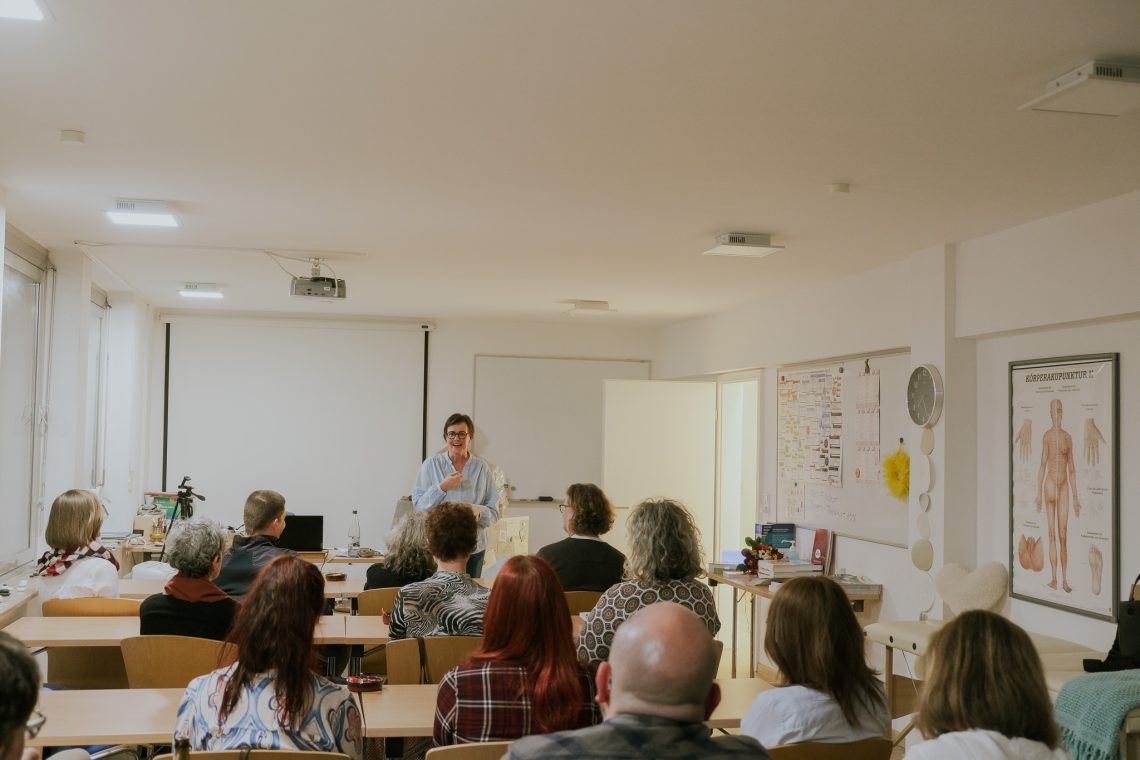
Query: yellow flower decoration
(896, 473)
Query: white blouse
(87, 576)
(794, 714)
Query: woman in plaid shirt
(525, 678)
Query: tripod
(183, 506)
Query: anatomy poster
(810, 413)
(1063, 483)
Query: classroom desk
(410, 710)
(366, 630)
(15, 606)
(743, 583)
(107, 716)
(141, 588)
(110, 631)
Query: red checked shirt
(487, 703)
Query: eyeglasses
(564, 507)
(460, 434)
(35, 723)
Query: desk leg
(752, 636)
(735, 600)
(888, 677)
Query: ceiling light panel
(142, 213)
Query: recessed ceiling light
(201, 290)
(28, 10)
(750, 244)
(142, 213)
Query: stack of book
(783, 569)
(857, 584)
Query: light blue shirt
(476, 487)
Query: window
(96, 406)
(21, 404)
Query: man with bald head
(656, 691)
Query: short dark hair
(261, 508)
(452, 531)
(19, 685)
(593, 513)
(457, 418)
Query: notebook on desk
(303, 533)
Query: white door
(660, 440)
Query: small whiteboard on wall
(541, 419)
(835, 423)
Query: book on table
(785, 569)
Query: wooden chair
(480, 751)
(865, 749)
(88, 667)
(372, 601)
(582, 601)
(171, 662)
(259, 754)
(439, 655)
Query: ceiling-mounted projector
(317, 287)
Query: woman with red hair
(525, 679)
(271, 698)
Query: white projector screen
(329, 416)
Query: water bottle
(354, 532)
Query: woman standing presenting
(455, 474)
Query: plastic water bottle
(354, 531)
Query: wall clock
(924, 394)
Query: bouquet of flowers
(754, 551)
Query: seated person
(656, 691)
(984, 696)
(264, 518)
(584, 562)
(448, 603)
(270, 698)
(408, 559)
(77, 565)
(827, 693)
(524, 679)
(19, 692)
(191, 605)
(664, 562)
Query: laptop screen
(303, 533)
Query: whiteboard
(541, 419)
(839, 501)
(330, 417)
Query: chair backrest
(426, 660)
(372, 601)
(582, 601)
(259, 754)
(92, 606)
(864, 749)
(171, 662)
(718, 649)
(480, 751)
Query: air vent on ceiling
(1099, 88)
(753, 244)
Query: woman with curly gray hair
(663, 564)
(408, 559)
(191, 604)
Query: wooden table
(110, 631)
(366, 630)
(15, 605)
(744, 583)
(107, 716)
(141, 588)
(147, 716)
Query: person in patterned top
(663, 565)
(270, 698)
(448, 603)
(524, 679)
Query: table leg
(752, 637)
(735, 600)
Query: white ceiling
(499, 157)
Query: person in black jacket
(191, 604)
(264, 520)
(584, 562)
(408, 559)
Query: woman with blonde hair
(985, 696)
(663, 565)
(827, 693)
(77, 565)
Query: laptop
(303, 533)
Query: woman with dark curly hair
(271, 698)
(663, 564)
(448, 603)
(408, 559)
(584, 562)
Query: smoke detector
(751, 244)
(1098, 87)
